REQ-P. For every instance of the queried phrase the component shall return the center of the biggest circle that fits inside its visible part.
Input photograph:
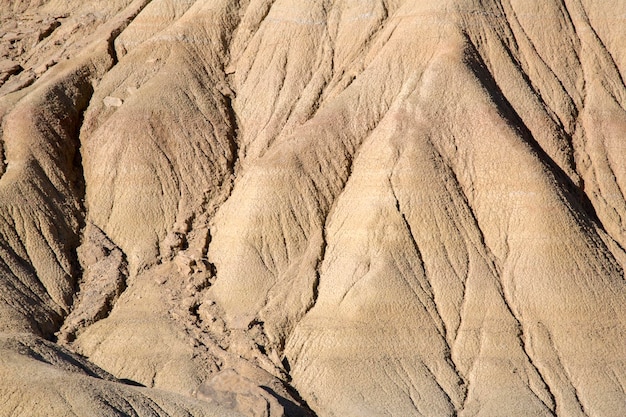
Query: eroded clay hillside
(299, 208)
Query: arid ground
(342, 208)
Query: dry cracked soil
(313, 208)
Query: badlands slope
(298, 208)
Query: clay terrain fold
(313, 208)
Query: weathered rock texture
(332, 208)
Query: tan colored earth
(313, 208)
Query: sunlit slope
(345, 208)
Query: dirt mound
(346, 208)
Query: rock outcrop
(331, 208)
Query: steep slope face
(341, 208)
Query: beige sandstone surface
(299, 208)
